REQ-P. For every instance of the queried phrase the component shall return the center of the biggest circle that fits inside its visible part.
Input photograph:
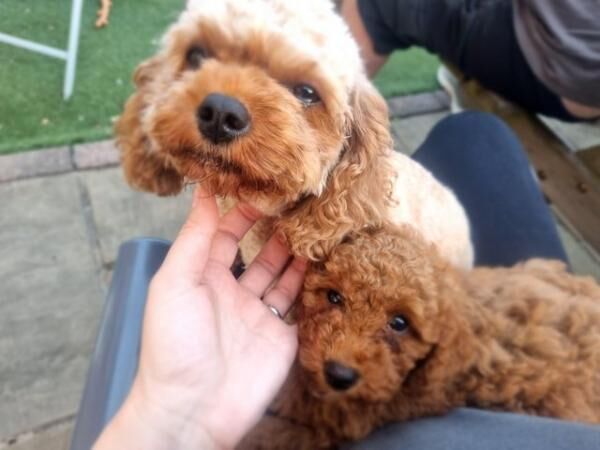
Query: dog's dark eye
(194, 57)
(306, 94)
(399, 324)
(334, 297)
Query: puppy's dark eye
(306, 94)
(399, 324)
(194, 57)
(334, 297)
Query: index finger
(190, 251)
(231, 229)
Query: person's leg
(480, 159)
(477, 36)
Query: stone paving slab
(56, 437)
(418, 104)
(35, 163)
(119, 213)
(409, 133)
(50, 302)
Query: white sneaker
(452, 86)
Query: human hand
(213, 354)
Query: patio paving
(410, 132)
(50, 301)
(117, 213)
(62, 234)
(59, 236)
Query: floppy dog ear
(359, 187)
(451, 334)
(144, 166)
(368, 123)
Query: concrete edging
(57, 160)
(418, 104)
(97, 155)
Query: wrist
(140, 424)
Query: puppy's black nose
(222, 118)
(338, 376)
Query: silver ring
(274, 311)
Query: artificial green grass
(408, 72)
(32, 111)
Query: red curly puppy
(390, 332)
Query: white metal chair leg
(33, 46)
(70, 55)
(69, 82)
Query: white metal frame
(69, 55)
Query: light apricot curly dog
(267, 101)
(390, 332)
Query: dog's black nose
(338, 376)
(222, 118)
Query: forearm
(351, 14)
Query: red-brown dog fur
(523, 339)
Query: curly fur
(523, 339)
(319, 171)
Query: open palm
(213, 353)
